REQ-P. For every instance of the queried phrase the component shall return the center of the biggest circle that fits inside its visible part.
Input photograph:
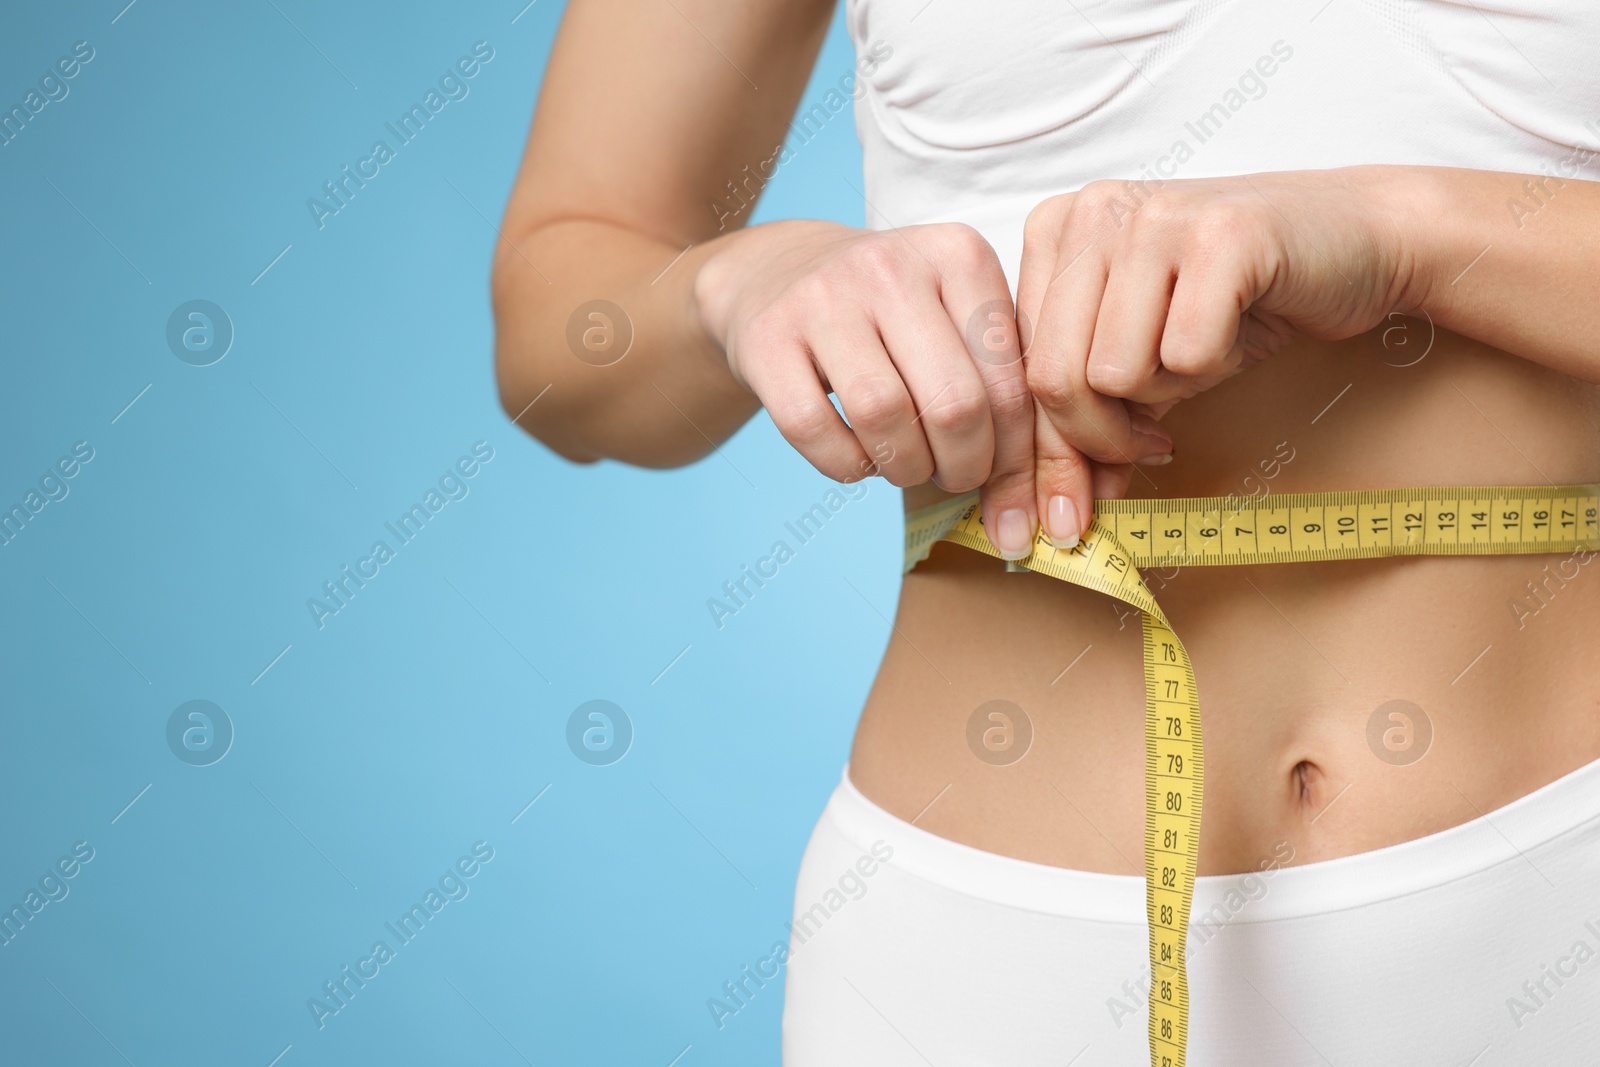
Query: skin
(1174, 340)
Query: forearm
(648, 387)
(1512, 260)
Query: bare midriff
(1498, 657)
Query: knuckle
(1044, 220)
(1017, 481)
(1190, 356)
(1054, 457)
(909, 471)
(1180, 350)
(1049, 387)
(816, 290)
(1158, 213)
(1094, 200)
(958, 409)
(918, 472)
(1112, 379)
(961, 482)
(1056, 469)
(804, 423)
(877, 260)
(764, 331)
(874, 401)
(1219, 229)
(1009, 397)
(965, 243)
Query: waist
(1533, 821)
(1348, 705)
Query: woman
(1255, 248)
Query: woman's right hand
(915, 332)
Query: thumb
(1063, 484)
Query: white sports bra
(975, 111)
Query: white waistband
(1505, 835)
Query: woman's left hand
(1139, 295)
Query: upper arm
(650, 107)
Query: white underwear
(1477, 946)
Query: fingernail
(1160, 459)
(1061, 522)
(1013, 534)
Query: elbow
(524, 374)
(520, 396)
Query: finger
(1110, 480)
(1099, 426)
(1063, 484)
(855, 364)
(979, 296)
(785, 379)
(1125, 356)
(1042, 260)
(1202, 337)
(1155, 411)
(1009, 504)
(951, 406)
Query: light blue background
(376, 750)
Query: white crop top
(975, 110)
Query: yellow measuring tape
(1126, 535)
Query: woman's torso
(1293, 662)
